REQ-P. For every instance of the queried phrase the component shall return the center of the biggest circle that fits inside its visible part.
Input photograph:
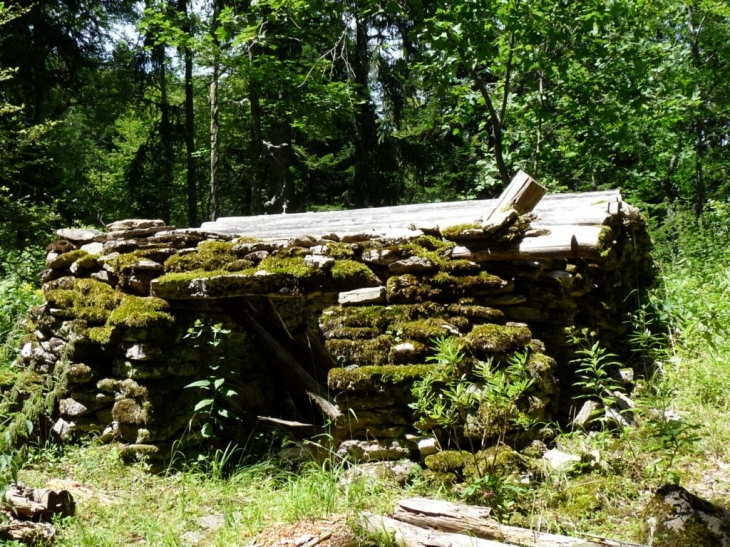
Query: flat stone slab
(369, 295)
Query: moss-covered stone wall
(132, 319)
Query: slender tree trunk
(362, 190)
(214, 182)
(165, 135)
(256, 142)
(190, 122)
(699, 122)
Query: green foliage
(219, 408)
(596, 368)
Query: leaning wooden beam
(459, 518)
(407, 535)
(522, 196)
(283, 351)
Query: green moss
(407, 288)
(130, 411)
(477, 313)
(137, 311)
(495, 460)
(452, 461)
(72, 256)
(90, 300)
(492, 338)
(369, 378)
(459, 266)
(377, 317)
(349, 274)
(468, 285)
(422, 330)
(361, 352)
(294, 266)
(245, 239)
(432, 243)
(353, 333)
(456, 231)
(101, 335)
(541, 369)
(209, 256)
(186, 277)
(339, 251)
(291, 252)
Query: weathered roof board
(592, 208)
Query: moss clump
(448, 461)
(245, 239)
(293, 266)
(137, 311)
(541, 369)
(369, 378)
(353, 333)
(349, 274)
(361, 352)
(407, 288)
(209, 256)
(90, 300)
(71, 256)
(421, 330)
(432, 243)
(492, 338)
(339, 251)
(456, 231)
(477, 313)
(468, 285)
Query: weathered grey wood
(559, 242)
(299, 429)
(523, 194)
(284, 356)
(407, 535)
(458, 518)
(28, 532)
(574, 209)
(38, 502)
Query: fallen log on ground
(38, 503)
(422, 516)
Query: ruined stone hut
(315, 320)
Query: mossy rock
(490, 339)
(407, 288)
(470, 466)
(541, 370)
(89, 300)
(339, 251)
(209, 256)
(458, 230)
(679, 519)
(376, 378)
(422, 330)
(448, 461)
(349, 275)
(477, 314)
(361, 352)
(352, 333)
(376, 317)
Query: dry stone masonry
(288, 318)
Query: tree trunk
(165, 135)
(362, 189)
(214, 182)
(192, 170)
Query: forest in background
(186, 110)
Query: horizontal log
(34, 503)
(407, 535)
(574, 209)
(476, 521)
(558, 242)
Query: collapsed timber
(170, 341)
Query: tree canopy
(186, 111)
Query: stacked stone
(121, 304)
(123, 357)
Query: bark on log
(283, 351)
(407, 535)
(522, 195)
(38, 503)
(31, 533)
(476, 521)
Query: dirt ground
(333, 531)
